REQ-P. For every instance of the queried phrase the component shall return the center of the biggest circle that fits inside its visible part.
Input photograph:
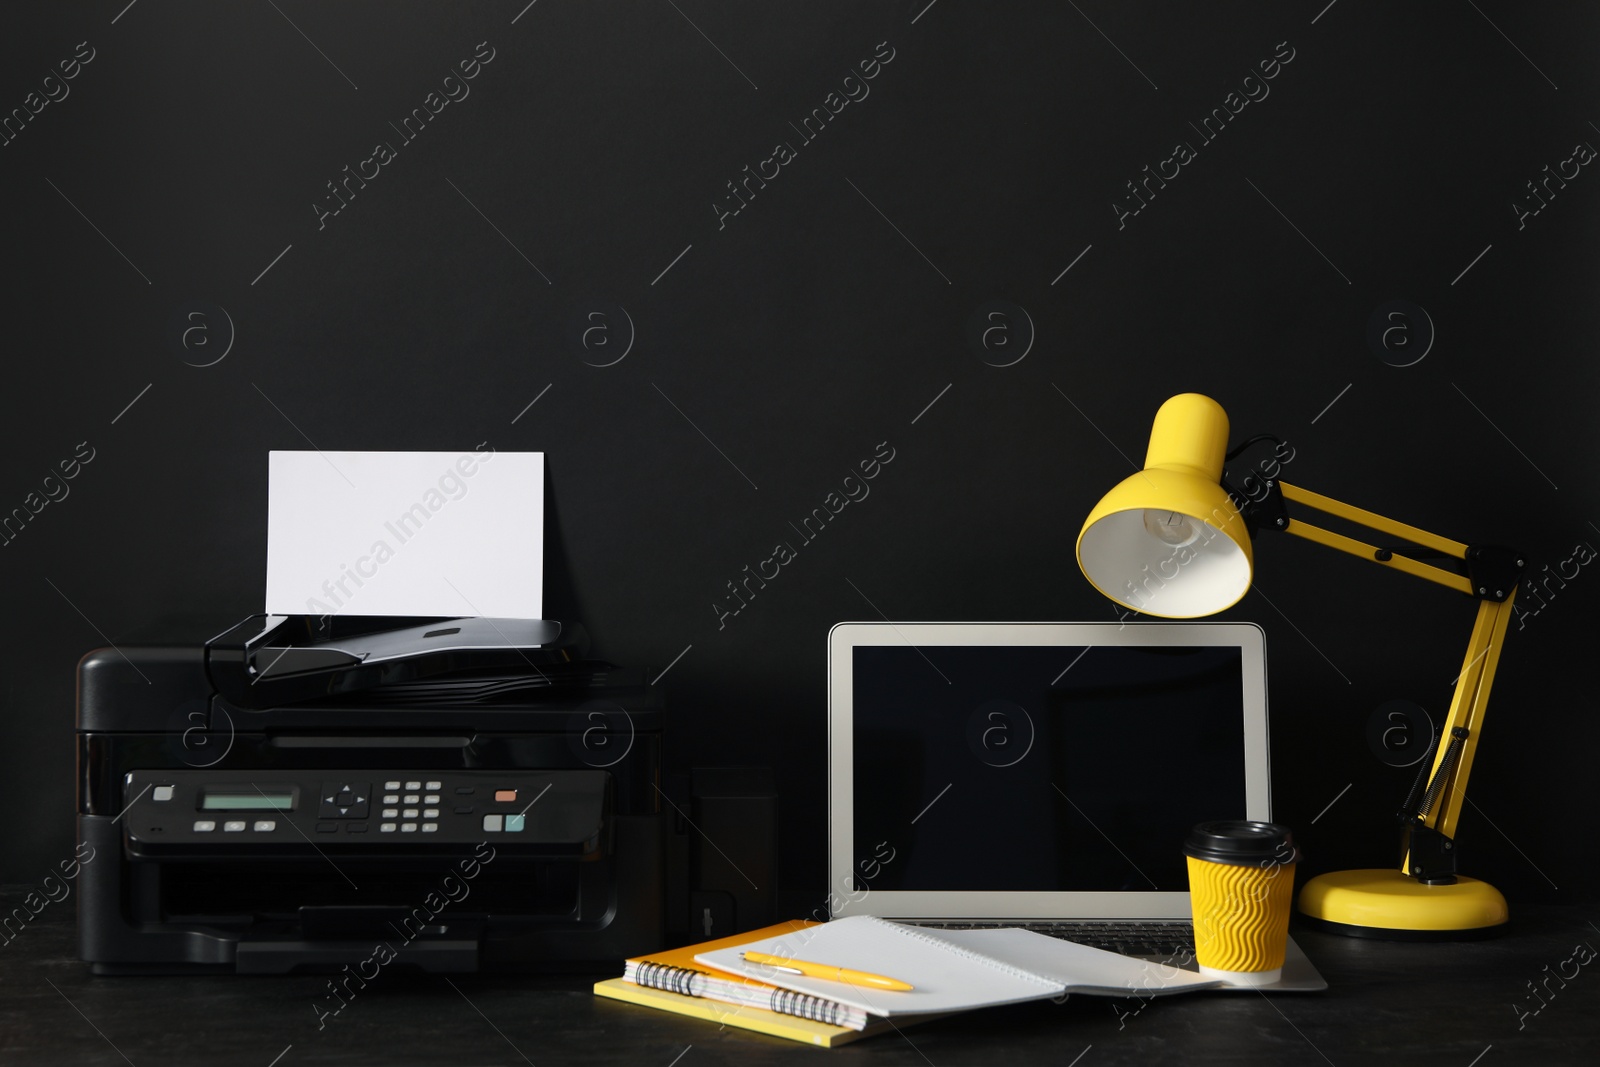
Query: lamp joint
(1262, 504)
(1433, 858)
(1494, 571)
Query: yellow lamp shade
(1168, 541)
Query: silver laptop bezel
(850, 896)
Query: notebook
(949, 971)
(676, 971)
(745, 1018)
(1042, 774)
(680, 985)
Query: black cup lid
(1241, 842)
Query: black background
(820, 321)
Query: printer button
(205, 826)
(429, 827)
(391, 798)
(391, 785)
(161, 793)
(464, 790)
(408, 827)
(430, 813)
(411, 798)
(233, 826)
(434, 785)
(390, 813)
(358, 827)
(492, 823)
(327, 827)
(266, 825)
(413, 785)
(466, 809)
(408, 813)
(431, 798)
(344, 800)
(386, 828)
(514, 824)
(505, 796)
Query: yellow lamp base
(1387, 903)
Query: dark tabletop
(1460, 1004)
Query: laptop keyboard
(1172, 941)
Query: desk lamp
(1174, 540)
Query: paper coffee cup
(1241, 881)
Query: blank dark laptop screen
(1043, 769)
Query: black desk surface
(1389, 1003)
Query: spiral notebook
(952, 970)
(671, 980)
(744, 1017)
(675, 971)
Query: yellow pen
(827, 971)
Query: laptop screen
(1041, 768)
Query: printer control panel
(275, 811)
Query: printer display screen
(261, 801)
(1017, 769)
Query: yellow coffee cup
(1241, 882)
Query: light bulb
(1171, 527)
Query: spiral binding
(664, 976)
(688, 982)
(919, 934)
(817, 1009)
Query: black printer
(302, 793)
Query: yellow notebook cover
(745, 1018)
(675, 971)
(685, 957)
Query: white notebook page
(951, 970)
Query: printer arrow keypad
(345, 800)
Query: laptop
(1043, 775)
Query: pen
(827, 971)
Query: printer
(299, 792)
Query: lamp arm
(1439, 545)
(1493, 573)
(1372, 520)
